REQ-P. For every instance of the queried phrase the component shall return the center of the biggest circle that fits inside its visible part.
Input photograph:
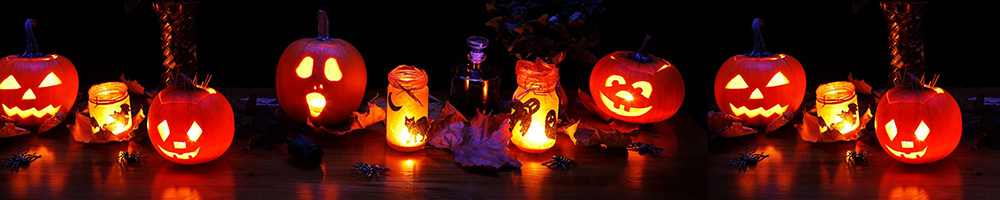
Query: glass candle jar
(536, 106)
(406, 117)
(109, 106)
(837, 105)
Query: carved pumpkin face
(321, 79)
(636, 92)
(918, 126)
(190, 127)
(759, 89)
(35, 86)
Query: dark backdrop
(240, 41)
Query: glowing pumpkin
(35, 86)
(637, 87)
(759, 86)
(918, 126)
(190, 126)
(321, 79)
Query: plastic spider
(369, 170)
(643, 148)
(560, 162)
(857, 158)
(20, 159)
(748, 159)
(130, 159)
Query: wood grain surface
(72, 170)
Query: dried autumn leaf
(83, 130)
(717, 121)
(736, 129)
(809, 130)
(132, 85)
(623, 127)
(860, 85)
(779, 122)
(589, 103)
(611, 139)
(10, 130)
(51, 122)
(568, 127)
(375, 113)
(481, 142)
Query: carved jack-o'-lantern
(636, 87)
(35, 86)
(190, 126)
(918, 126)
(760, 86)
(321, 79)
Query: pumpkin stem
(759, 49)
(323, 27)
(641, 55)
(29, 35)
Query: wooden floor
(690, 167)
(72, 170)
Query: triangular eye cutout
(737, 83)
(195, 132)
(305, 68)
(50, 80)
(922, 131)
(778, 80)
(332, 70)
(164, 130)
(890, 129)
(10, 83)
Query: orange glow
(50, 80)
(332, 70)
(833, 103)
(105, 103)
(407, 108)
(10, 83)
(181, 192)
(164, 130)
(922, 131)
(756, 94)
(737, 83)
(195, 132)
(28, 95)
(316, 103)
(890, 129)
(305, 68)
(777, 109)
(15, 111)
(778, 80)
(631, 112)
(662, 67)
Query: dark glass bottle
(474, 85)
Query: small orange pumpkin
(637, 87)
(190, 125)
(35, 86)
(760, 86)
(918, 126)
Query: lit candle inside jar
(109, 106)
(406, 115)
(837, 105)
(535, 111)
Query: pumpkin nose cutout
(180, 145)
(756, 94)
(906, 144)
(29, 95)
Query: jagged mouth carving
(911, 155)
(48, 110)
(777, 109)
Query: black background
(240, 41)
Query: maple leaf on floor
(481, 141)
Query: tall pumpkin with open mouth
(35, 86)
(321, 79)
(760, 86)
